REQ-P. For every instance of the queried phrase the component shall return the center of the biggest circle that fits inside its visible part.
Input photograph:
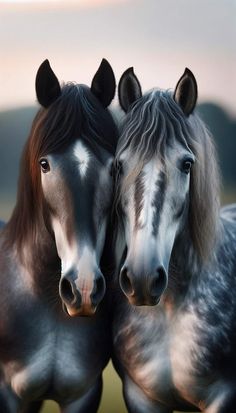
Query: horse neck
(38, 258)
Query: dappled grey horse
(51, 248)
(174, 325)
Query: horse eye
(45, 167)
(186, 166)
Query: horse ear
(104, 84)
(186, 92)
(129, 89)
(47, 85)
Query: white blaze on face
(83, 260)
(142, 240)
(67, 252)
(82, 155)
(151, 174)
(85, 279)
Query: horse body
(176, 354)
(45, 355)
(174, 332)
(50, 253)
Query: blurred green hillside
(14, 129)
(15, 126)
(223, 129)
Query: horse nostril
(158, 283)
(98, 290)
(66, 290)
(125, 282)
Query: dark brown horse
(51, 248)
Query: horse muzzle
(83, 311)
(79, 297)
(142, 289)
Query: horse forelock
(154, 122)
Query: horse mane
(151, 124)
(76, 113)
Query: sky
(159, 38)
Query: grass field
(112, 401)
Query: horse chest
(32, 375)
(185, 355)
(141, 344)
(58, 368)
(160, 357)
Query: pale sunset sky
(158, 37)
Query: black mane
(76, 113)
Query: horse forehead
(153, 168)
(83, 155)
(151, 174)
(176, 150)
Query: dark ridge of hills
(223, 130)
(15, 126)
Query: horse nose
(158, 283)
(69, 293)
(81, 296)
(142, 289)
(98, 289)
(126, 281)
